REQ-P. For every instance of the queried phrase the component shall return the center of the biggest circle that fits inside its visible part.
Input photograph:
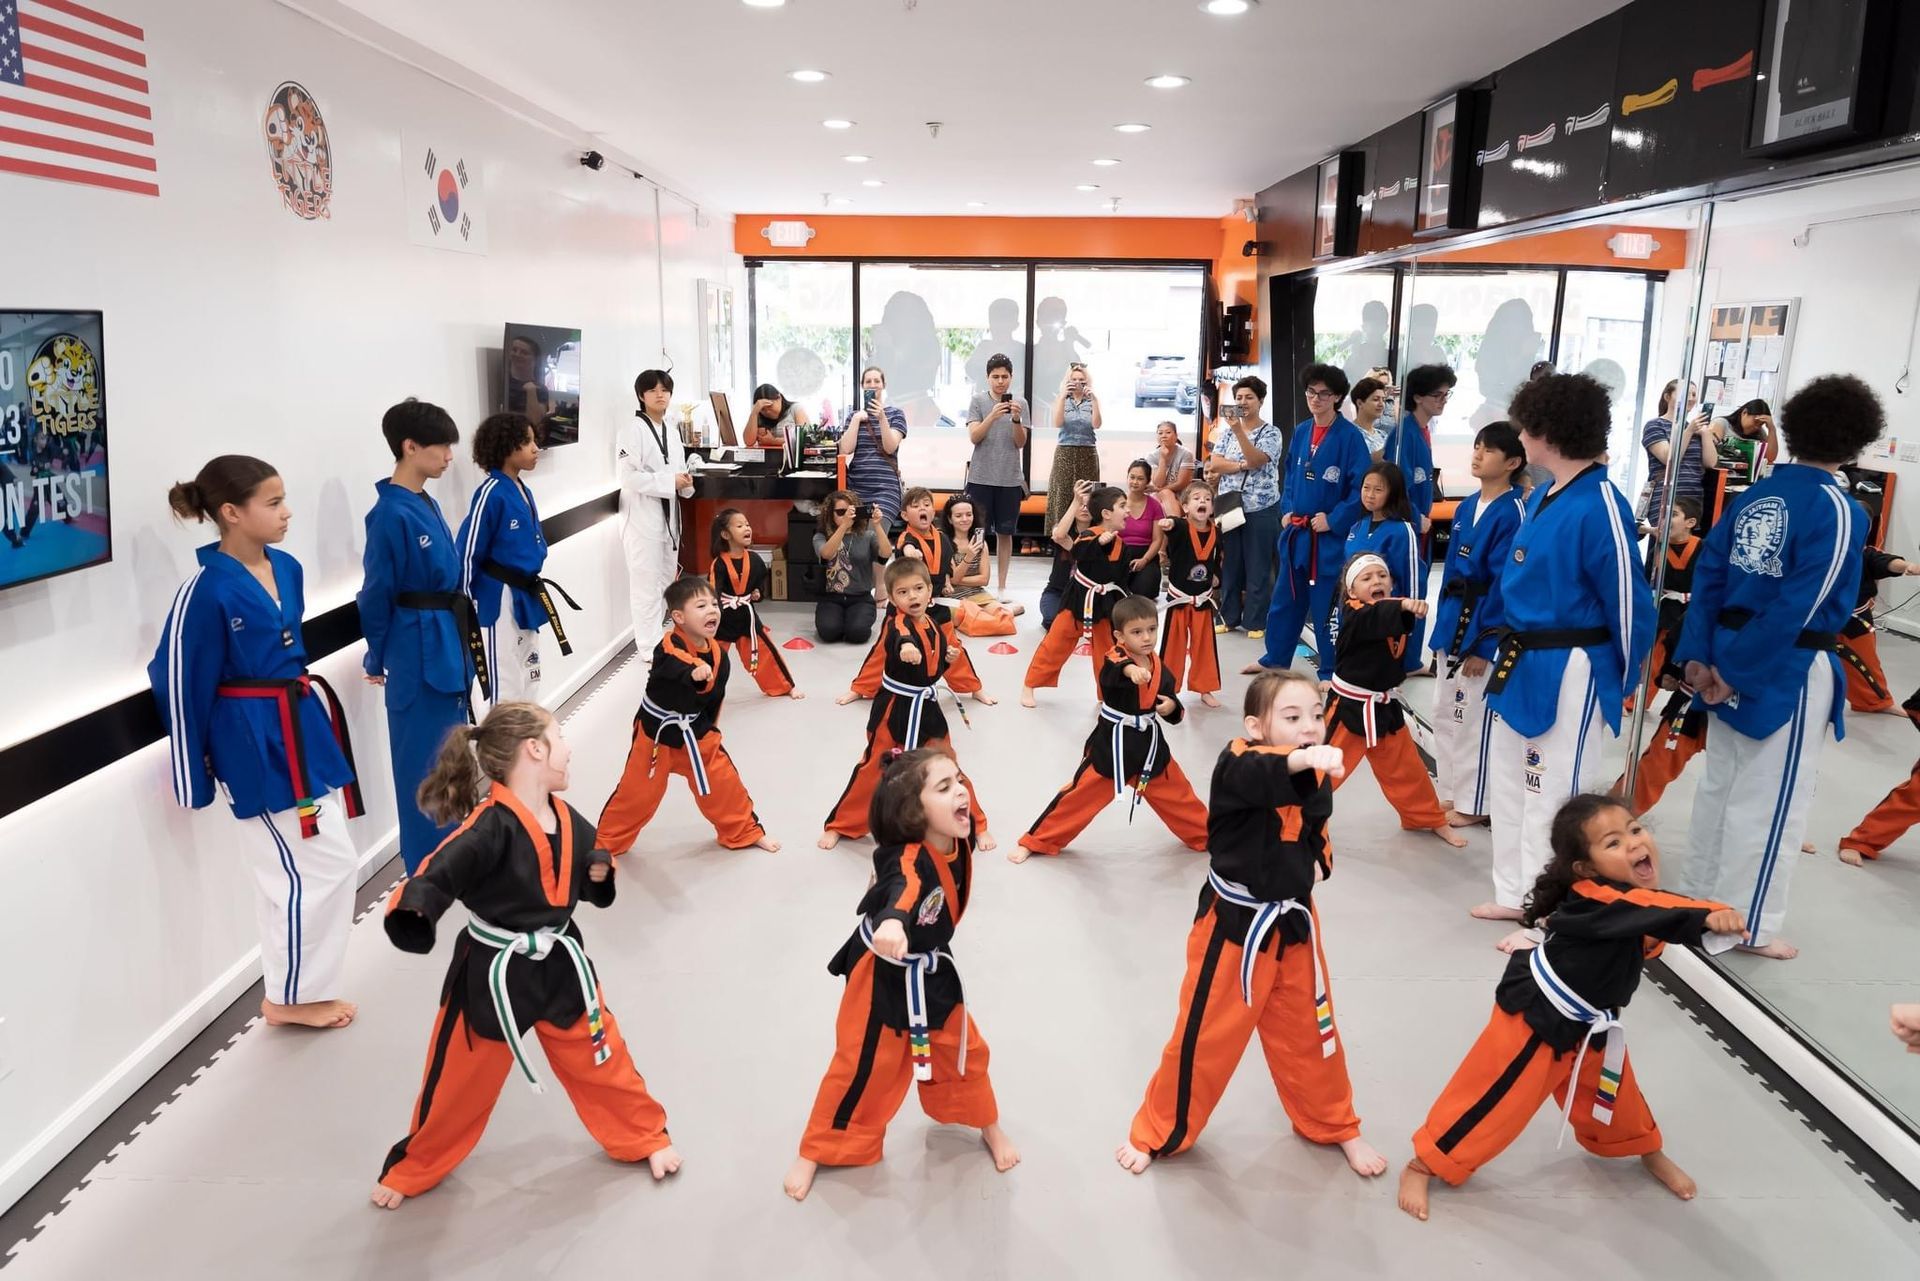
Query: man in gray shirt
(997, 425)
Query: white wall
(233, 326)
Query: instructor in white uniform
(652, 466)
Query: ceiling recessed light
(1106, 162)
(856, 160)
(842, 200)
(1228, 8)
(976, 204)
(872, 182)
(1131, 127)
(838, 124)
(1087, 186)
(764, 4)
(1168, 82)
(808, 76)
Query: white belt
(537, 945)
(918, 965)
(753, 627)
(1177, 597)
(1265, 917)
(689, 740)
(1681, 597)
(921, 696)
(1146, 722)
(1368, 699)
(1093, 590)
(1574, 1006)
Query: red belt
(288, 693)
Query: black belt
(537, 587)
(457, 604)
(1513, 644)
(1735, 619)
(1467, 592)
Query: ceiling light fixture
(1227, 8)
(856, 160)
(1168, 82)
(1106, 162)
(842, 200)
(764, 4)
(1087, 186)
(838, 124)
(807, 76)
(872, 182)
(1131, 127)
(976, 204)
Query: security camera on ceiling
(594, 160)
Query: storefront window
(1352, 321)
(803, 334)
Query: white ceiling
(1028, 90)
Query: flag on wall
(445, 205)
(74, 98)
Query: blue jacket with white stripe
(1412, 453)
(1393, 542)
(1477, 548)
(1782, 560)
(410, 549)
(224, 627)
(503, 526)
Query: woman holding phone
(1076, 416)
(871, 446)
(850, 541)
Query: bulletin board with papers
(1746, 352)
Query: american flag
(74, 97)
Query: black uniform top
(737, 574)
(1597, 941)
(1123, 696)
(1098, 562)
(1681, 558)
(671, 685)
(1879, 565)
(925, 634)
(509, 873)
(936, 553)
(927, 893)
(1266, 830)
(1060, 573)
(1371, 652)
(1193, 557)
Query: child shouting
(741, 578)
(1187, 644)
(1099, 570)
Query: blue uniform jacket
(410, 549)
(1413, 455)
(224, 627)
(1325, 480)
(1476, 550)
(1573, 565)
(1786, 554)
(502, 525)
(1393, 542)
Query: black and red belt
(1313, 550)
(288, 694)
(536, 586)
(457, 604)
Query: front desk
(766, 498)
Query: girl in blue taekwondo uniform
(1385, 529)
(1578, 625)
(1319, 501)
(241, 712)
(420, 628)
(502, 552)
(1772, 588)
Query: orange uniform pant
(771, 675)
(1861, 696)
(1210, 1038)
(1397, 768)
(1080, 802)
(1890, 819)
(1057, 647)
(463, 1079)
(1664, 760)
(644, 781)
(1506, 1077)
(1189, 651)
(849, 814)
(960, 676)
(872, 1067)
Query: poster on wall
(715, 301)
(1824, 65)
(1326, 208)
(71, 116)
(1436, 166)
(445, 203)
(542, 380)
(300, 150)
(54, 513)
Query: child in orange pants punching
(1897, 811)
(926, 542)
(1099, 572)
(1556, 1031)
(1187, 644)
(1126, 747)
(520, 861)
(677, 732)
(907, 712)
(1254, 959)
(903, 1017)
(741, 579)
(1680, 736)
(1364, 717)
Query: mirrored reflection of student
(1367, 345)
(526, 394)
(1056, 345)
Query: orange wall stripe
(866, 236)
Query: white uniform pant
(1528, 779)
(1460, 724)
(303, 899)
(1750, 812)
(652, 565)
(513, 656)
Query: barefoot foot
(664, 1162)
(1018, 853)
(985, 699)
(1414, 1181)
(1132, 1159)
(850, 696)
(1451, 837)
(1456, 819)
(828, 840)
(1494, 912)
(1026, 697)
(1671, 1176)
(1000, 1147)
(1808, 847)
(1365, 1160)
(794, 693)
(799, 1179)
(1778, 950)
(768, 844)
(1851, 857)
(386, 1198)
(1208, 700)
(1518, 941)
(320, 1014)
(983, 839)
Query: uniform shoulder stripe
(1601, 892)
(176, 699)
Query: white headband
(1365, 560)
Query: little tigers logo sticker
(930, 907)
(301, 151)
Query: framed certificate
(1822, 74)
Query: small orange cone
(798, 642)
(1002, 647)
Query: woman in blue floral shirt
(1245, 460)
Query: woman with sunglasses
(851, 540)
(1076, 416)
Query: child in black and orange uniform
(1126, 747)
(520, 862)
(741, 579)
(677, 731)
(1682, 731)
(903, 1017)
(1859, 641)
(1253, 956)
(1897, 811)
(1364, 717)
(906, 714)
(1099, 570)
(1604, 915)
(1187, 645)
(924, 541)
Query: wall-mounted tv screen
(54, 514)
(543, 380)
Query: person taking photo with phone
(997, 424)
(1076, 416)
(871, 446)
